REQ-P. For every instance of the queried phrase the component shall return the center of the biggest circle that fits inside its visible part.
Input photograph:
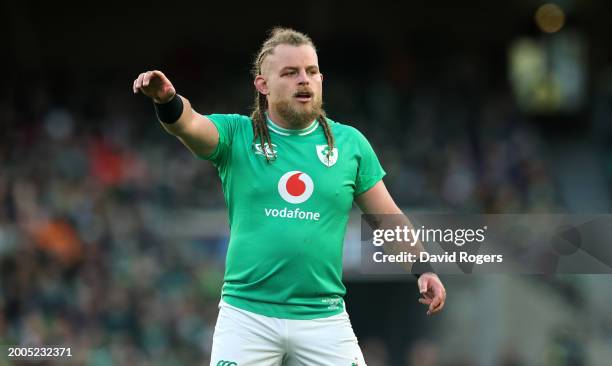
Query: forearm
(404, 240)
(174, 112)
(383, 214)
(195, 131)
(181, 126)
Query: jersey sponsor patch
(295, 187)
(330, 160)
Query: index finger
(138, 83)
(437, 309)
(437, 300)
(146, 78)
(150, 75)
(135, 86)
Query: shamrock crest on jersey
(330, 160)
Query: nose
(303, 78)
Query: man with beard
(289, 176)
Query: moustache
(303, 93)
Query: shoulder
(230, 124)
(229, 118)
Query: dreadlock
(277, 37)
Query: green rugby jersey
(288, 218)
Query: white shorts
(243, 338)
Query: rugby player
(290, 175)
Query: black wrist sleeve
(171, 111)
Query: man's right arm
(194, 130)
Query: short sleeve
(369, 171)
(226, 125)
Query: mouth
(303, 97)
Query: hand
(155, 85)
(433, 292)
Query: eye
(289, 73)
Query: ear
(321, 77)
(261, 85)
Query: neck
(290, 125)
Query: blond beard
(299, 117)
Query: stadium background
(112, 236)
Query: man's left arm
(378, 201)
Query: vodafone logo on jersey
(295, 187)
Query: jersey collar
(287, 132)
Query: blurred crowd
(83, 169)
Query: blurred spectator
(423, 353)
(375, 351)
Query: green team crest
(322, 154)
